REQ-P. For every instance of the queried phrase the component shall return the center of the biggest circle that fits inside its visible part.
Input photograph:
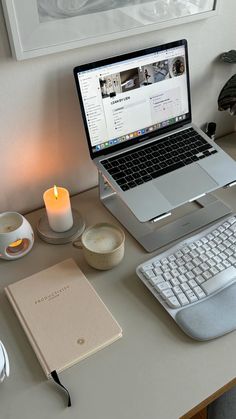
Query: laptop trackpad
(185, 184)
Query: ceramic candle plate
(50, 236)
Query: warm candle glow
(16, 243)
(55, 191)
(16, 246)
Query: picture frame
(39, 27)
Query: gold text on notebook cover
(52, 295)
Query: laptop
(137, 116)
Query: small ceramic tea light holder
(61, 224)
(16, 236)
(103, 245)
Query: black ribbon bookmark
(55, 377)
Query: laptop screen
(134, 97)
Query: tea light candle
(16, 235)
(58, 208)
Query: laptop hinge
(229, 185)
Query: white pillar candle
(57, 203)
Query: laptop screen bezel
(127, 56)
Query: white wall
(42, 141)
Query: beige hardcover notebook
(62, 315)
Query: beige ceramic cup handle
(77, 244)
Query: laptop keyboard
(148, 162)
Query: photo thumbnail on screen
(142, 76)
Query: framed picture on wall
(39, 27)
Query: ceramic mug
(103, 245)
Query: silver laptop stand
(157, 233)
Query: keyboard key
(197, 271)
(149, 274)
(156, 280)
(211, 262)
(174, 281)
(183, 299)
(182, 279)
(199, 292)
(192, 283)
(139, 181)
(184, 286)
(124, 187)
(177, 289)
(173, 265)
(191, 296)
(207, 275)
(197, 261)
(214, 270)
(182, 270)
(204, 147)
(175, 272)
(203, 257)
(162, 286)
(185, 249)
(220, 267)
(167, 293)
(167, 276)
(156, 263)
(204, 267)
(217, 259)
(200, 279)
(147, 267)
(194, 254)
(189, 266)
(158, 270)
(209, 255)
(226, 263)
(173, 302)
(132, 184)
(190, 275)
(232, 260)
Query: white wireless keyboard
(195, 269)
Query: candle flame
(55, 192)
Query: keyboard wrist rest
(210, 318)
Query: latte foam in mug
(102, 239)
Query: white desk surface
(154, 371)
